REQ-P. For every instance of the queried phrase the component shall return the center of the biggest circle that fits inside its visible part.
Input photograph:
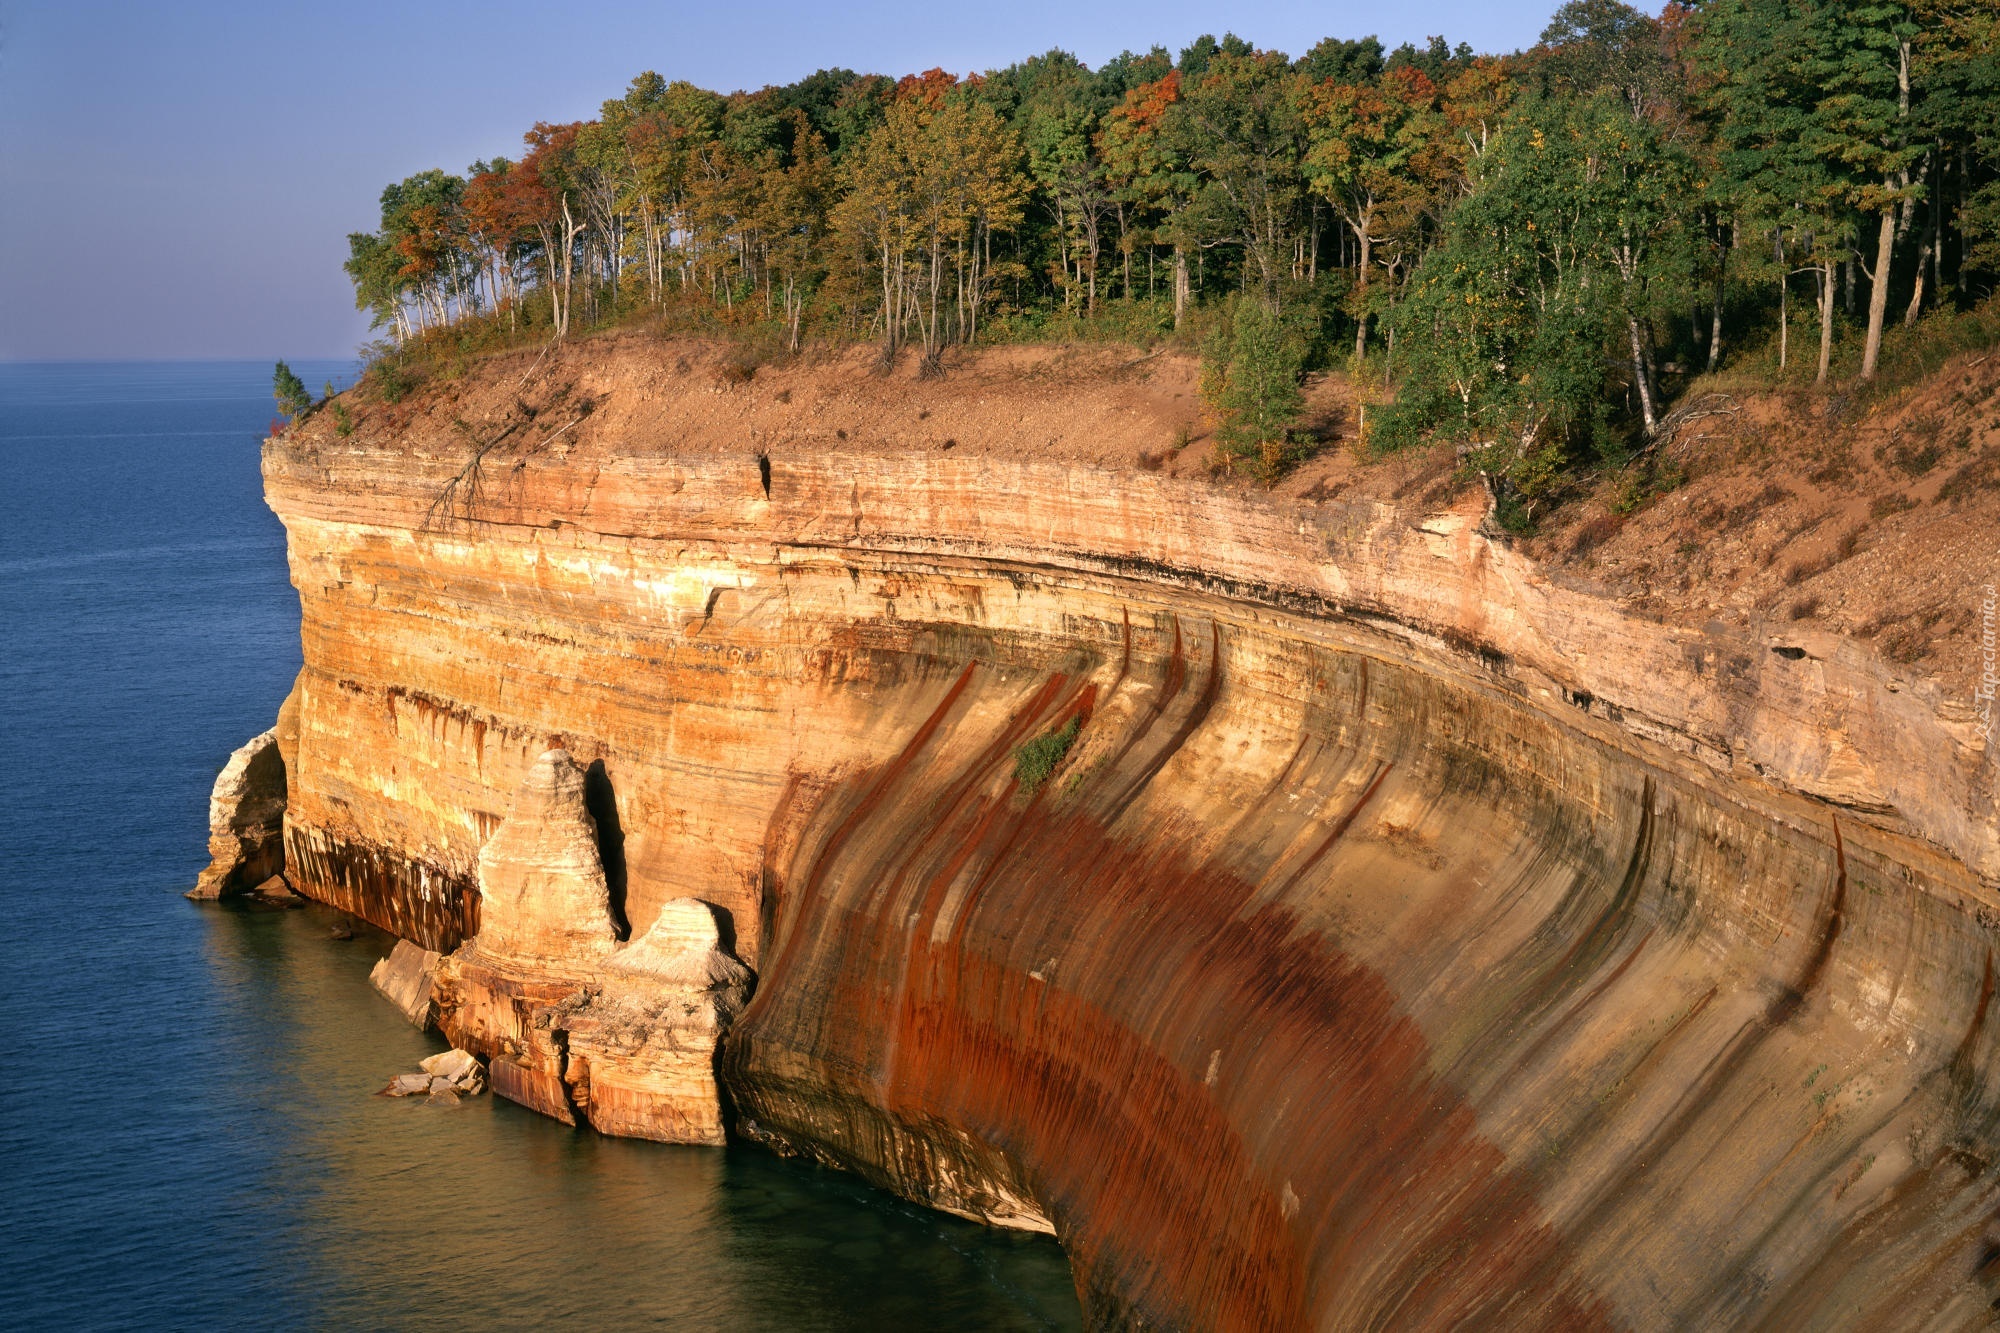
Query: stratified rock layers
(1404, 941)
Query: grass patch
(1034, 761)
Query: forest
(1533, 255)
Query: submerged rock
(408, 1085)
(246, 820)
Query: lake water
(187, 1133)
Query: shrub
(1593, 533)
(1034, 761)
(393, 379)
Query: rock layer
(1406, 940)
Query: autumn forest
(1532, 254)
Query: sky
(178, 181)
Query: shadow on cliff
(602, 802)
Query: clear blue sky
(179, 180)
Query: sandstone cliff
(1407, 939)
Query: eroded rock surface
(622, 1039)
(1407, 940)
(405, 979)
(542, 892)
(246, 820)
(642, 1041)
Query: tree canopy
(1532, 250)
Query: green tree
(798, 206)
(372, 266)
(1593, 45)
(1815, 121)
(1239, 127)
(1252, 380)
(1150, 175)
(1060, 119)
(1508, 320)
(1363, 138)
(925, 193)
(290, 391)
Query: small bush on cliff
(1037, 759)
(393, 379)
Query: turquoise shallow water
(187, 1135)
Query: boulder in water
(246, 821)
(459, 1070)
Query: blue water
(187, 1135)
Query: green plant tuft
(1034, 761)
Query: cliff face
(1403, 940)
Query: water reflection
(392, 1212)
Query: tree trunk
(890, 311)
(1784, 301)
(1641, 378)
(1917, 292)
(1715, 309)
(1361, 293)
(1827, 277)
(1180, 286)
(1878, 293)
